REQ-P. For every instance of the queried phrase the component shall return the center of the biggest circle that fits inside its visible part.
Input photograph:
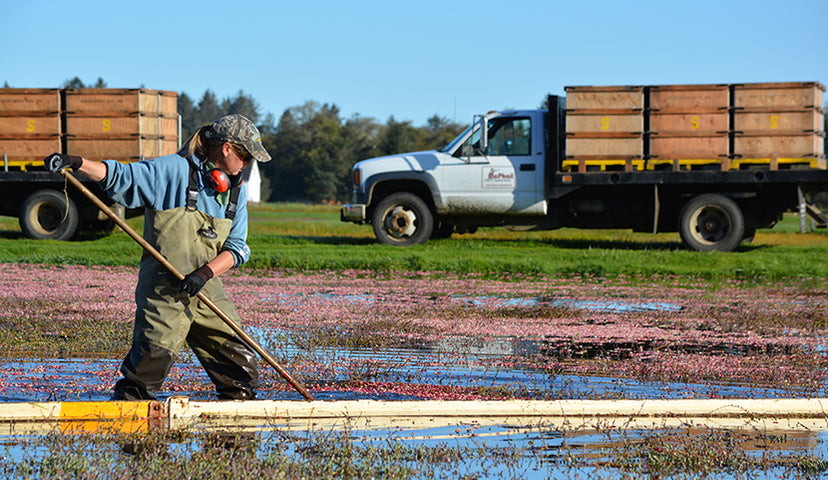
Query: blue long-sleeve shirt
(161, 184)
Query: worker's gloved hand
(58, 161)
(194, 282)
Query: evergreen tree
(73, 83)
(323, 156)
(396, 137)
(285, 178)
(208, 109)
(242, 104)
(438, 132)
(189, 114)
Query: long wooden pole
(158, 256)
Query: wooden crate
(787, 146)
(796, 95)
(119, 126)
(666, 123)
(805, 120)
(712, 146)
(611, 147)
(689, 98)
(605, 98)
(28, 101)
(23, 152)
(30, 125)
(124, 149)
(108, 101)
(578, 122)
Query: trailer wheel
(48, 215)
(402, 219)
(712, 222)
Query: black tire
(442, 230)
(48, 215)
(712, 222)
(402, 219)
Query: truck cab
(476, 180)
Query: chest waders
(166, 318)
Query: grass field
(311, 238)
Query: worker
(195, 211)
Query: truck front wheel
(48, 215)
(402, 219)
(712, 222)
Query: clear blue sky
(411, 60)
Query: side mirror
(484, 134)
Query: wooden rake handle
(158, 256)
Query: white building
(253, 179)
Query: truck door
(504, 178)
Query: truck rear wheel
(48, 215)
(712, 222)
(402, 219)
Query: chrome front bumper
(352, 212)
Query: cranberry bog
(413, 336)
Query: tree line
(313, 147)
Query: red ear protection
(221, 182)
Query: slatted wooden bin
(688, 126)
(30, 126)
(604, 128)
(122, 149)
(779, 125)
(122, 124)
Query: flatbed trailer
(96, 123)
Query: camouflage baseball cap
(241, 131)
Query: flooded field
(443, 337)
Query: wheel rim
(45, 218)
(400, 222)
(710, 225)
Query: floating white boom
(181, 413)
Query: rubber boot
(144, 368)
(233, 370)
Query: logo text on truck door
(498, 177)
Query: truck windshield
(506, 136)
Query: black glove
(194, 282)
(58, 161)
